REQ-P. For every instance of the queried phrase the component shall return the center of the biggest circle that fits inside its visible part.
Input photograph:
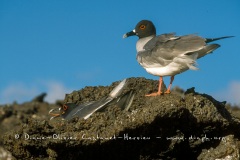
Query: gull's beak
(54, 115)
(132, 33)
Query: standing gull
(168, 54)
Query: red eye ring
(65, 107)
(142, 27)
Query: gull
(168, 54)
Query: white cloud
(17, 91)
(231, 94)
(22, 92)
(55, 91)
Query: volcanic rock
(187, 125)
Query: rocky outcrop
(175, 126)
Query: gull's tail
(208, 40)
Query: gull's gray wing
(161, 50)
(158, 40)
(86, 110)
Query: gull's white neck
(141, 43)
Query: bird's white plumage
(178, 65)
(171, 69)
(141, 43)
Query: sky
(58, 46)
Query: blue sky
(59, 46)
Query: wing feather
(162, 49)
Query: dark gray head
(143, 29)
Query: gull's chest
(142, 42)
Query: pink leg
(159, 89)
(170, 85)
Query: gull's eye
(142, 27)
(65, 107)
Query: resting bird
(168, 54)
(115, 97)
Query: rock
(227, 149)
(14, 116)
(39, 98)
(174, 126)
(4, 154)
